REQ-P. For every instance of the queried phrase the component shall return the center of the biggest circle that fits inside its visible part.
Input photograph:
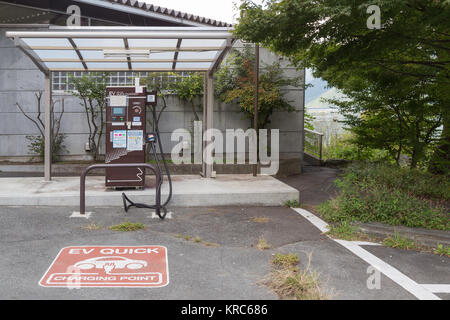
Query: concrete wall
(20, 80)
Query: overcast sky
(222, 10)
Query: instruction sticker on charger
(119, 139)
(135, 140)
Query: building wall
(20, 80)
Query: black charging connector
(152, 138)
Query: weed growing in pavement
(345, 231)
(442, 251)
(292, 204)
(260, 219)
(92, 226)
(397, 241)
(127, 226)
(289, 282)
(263, 244)
(285, 260)
(197, 240)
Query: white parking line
(316, 221)
(437, 288)
(419, 291)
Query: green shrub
(292, 204)
(343, 147)
(37, 146)
(391, 195)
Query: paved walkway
(315, 185)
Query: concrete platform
(188, 191)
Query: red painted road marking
(108, 266)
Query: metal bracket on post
(118, 165)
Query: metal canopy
(157, 49)
(150, 49)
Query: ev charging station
(125, 132)
(126, 118)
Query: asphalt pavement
(212, 253)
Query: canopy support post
(208, 125)
(47, 129)
(255, 108)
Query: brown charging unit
(125, 134)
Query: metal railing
(119, 165)
(313, 143)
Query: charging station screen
(118, 111)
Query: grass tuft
(285, 260)
(397, 241)
(92, 226)
(260, 219)
(292, 204)
(197, 240)
(127, 226)
(345, 231)
(263, 244)
(442, 251)
(289, 282)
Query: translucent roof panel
(193, 65)
(151, 65)
(107, 65)
(152, 43)
(64, 65)
(44, 42)
(162, 55)
(197, 55)
(92, 54)
(100, 43)
(56, 54)
(192, 43)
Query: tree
(37, 143)
(188, 89)
(235, 84)
(163, 89)
(333, 39)
(91, 89)
(393, 114)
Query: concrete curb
(188, 191)
(422, 236)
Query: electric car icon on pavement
(116, 261)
